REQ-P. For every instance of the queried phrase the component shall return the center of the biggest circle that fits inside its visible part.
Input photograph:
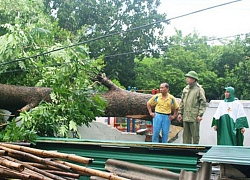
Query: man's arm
(150, 110)
(203, 102)
(181, 107)
(172, 117)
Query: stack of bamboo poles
(23, 162)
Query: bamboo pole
(35, 158)
(8, 173)
(11, 164)
(35, 175)
(48, 169)
(3, 153)
(41, 166)
(83, 171)
(64, 174)
(44, 173)
(52, 154)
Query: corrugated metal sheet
(173, 157)
(228, 155)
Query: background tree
(105, 17)
(239, 75)
(229, 56)
(182, 55)
(151, 72)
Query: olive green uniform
(193, 104)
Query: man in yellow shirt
(163, 103)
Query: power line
(219, 38)
(115, 33)
(136, 52)
(146, 50)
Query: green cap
(192, 74)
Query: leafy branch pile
(30, 163)
(11, 132)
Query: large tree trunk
(121, 103)
(20, 98)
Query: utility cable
(144, 50)
(115, 33)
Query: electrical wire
(172, 45)
(138, 52)
(115, 33)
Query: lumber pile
(21, 162)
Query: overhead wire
(138, 52)
(172, 45)
(115, 33)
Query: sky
(223, 21)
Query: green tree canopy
(119, 18)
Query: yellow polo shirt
(163, 106)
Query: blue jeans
(161, 122)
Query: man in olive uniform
(192, 108)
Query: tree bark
(121, 103)
(19, 98)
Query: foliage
(47, 63)
(151, 72)
(217, 66)
(183, 54)
(73, 102)
(105, 17)
(230, 56)
(237, 75)
(14, 133)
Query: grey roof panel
(228, 155)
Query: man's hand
(172, 117)
(152, 114)
(179, 118)
(199, 118)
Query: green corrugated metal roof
(228, 155)
(173, 157)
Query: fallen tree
(19, 98)
(120, 102)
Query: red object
(153, 91)
(149, 128)
(156, 91)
